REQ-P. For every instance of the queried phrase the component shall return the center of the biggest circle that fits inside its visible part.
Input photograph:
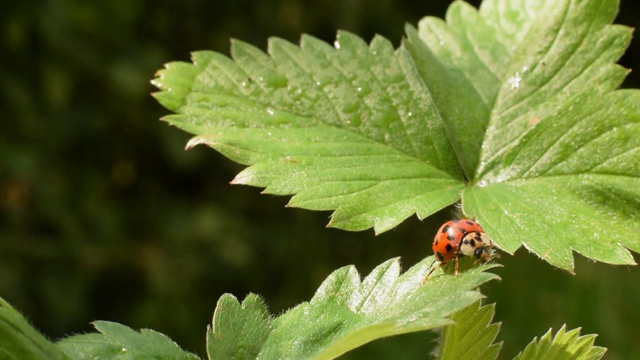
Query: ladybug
(462, 237)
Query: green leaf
(346, 312)
(564, 345)
(117, 341)
(19, 340)
(511, 109)
(238, 331)
(554, 151)
(351, 129)
(472, 335)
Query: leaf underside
(346, 312)
(511, 109)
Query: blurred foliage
(104, 216)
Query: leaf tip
(197, 140)
(243, 178)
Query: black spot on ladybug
(445, 229)
(449, 248)
(462, 230)
(436, 242)
(471, 223)
(439, 256)
(450, 237)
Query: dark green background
(103, 215)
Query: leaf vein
(312, 75)
(523, 100)
(547, 152)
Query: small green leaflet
(472, 335)
(238, 330)
(512, 109)
(565, 344)
(116, 341)
(346, 312)
(20, 341)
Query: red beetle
(462, 237)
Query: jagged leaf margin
(116, 341)
(558, 166)
(351, 129)
(346, 312)
(472, 335)
(567, 345)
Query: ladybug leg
(456, 271)
(433, 268)
(458, 254)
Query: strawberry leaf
(511, 109)
(116, 341)
(564, 345)
(19, 340)
(351, 129)
(558, 168)
(346, 312)
(472, 335)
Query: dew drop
(336, 44)
(270, 111)
(482, 183)
(363, 89)
(515, 80)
